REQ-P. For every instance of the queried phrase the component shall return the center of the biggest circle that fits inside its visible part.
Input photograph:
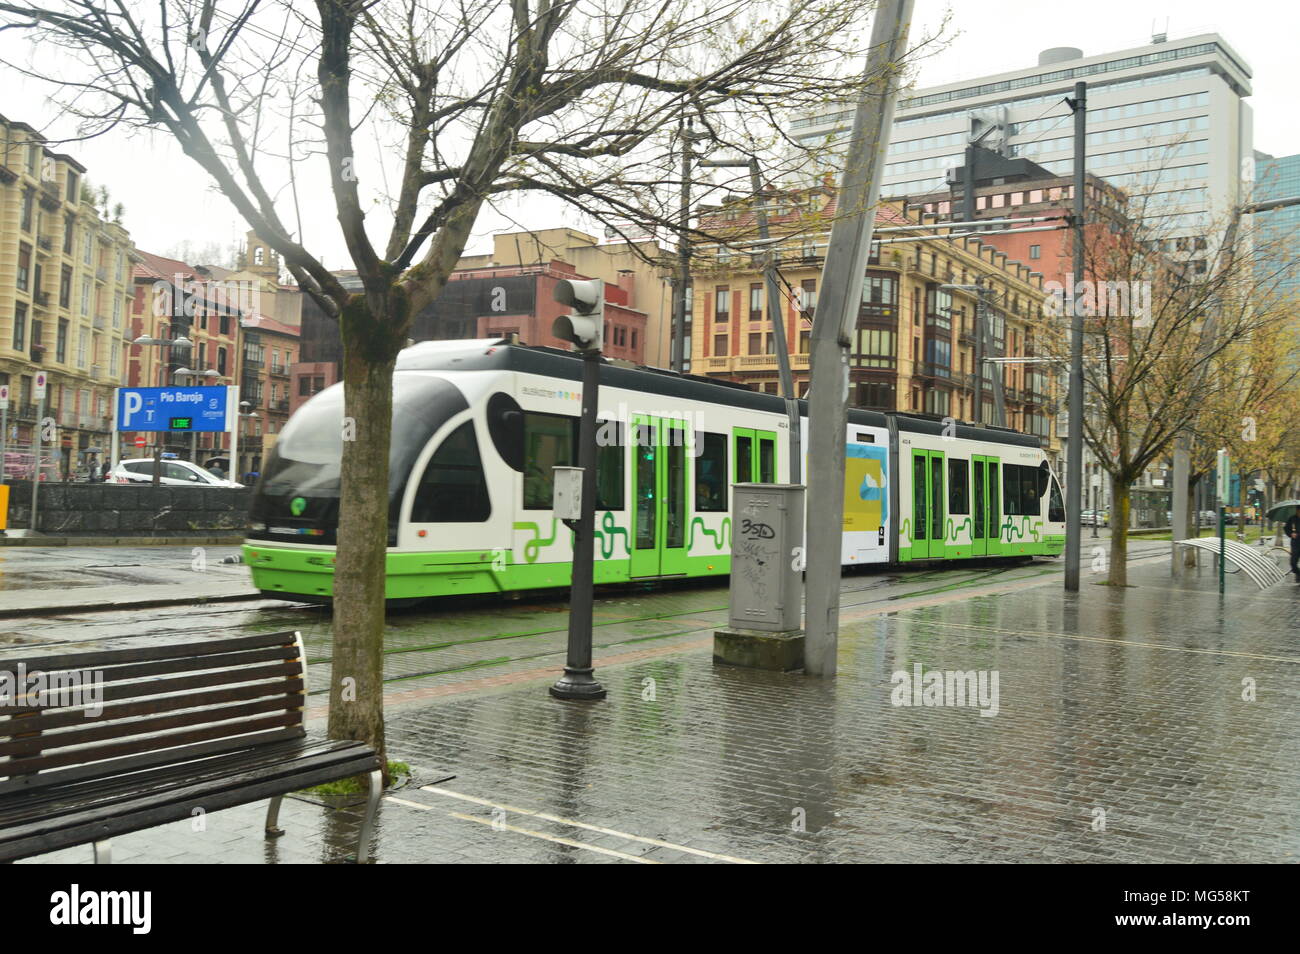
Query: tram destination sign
(193, 409)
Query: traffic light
(585, 326)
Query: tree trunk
(1119, 517)
(356, 689)
(1193, 524)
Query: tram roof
(493, 354)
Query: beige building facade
(65, 301)
(914, 344)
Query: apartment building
(914, 345)
(268, 350)
(65, 297)
(1167, 122)
(174, 300)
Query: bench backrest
(157, 705)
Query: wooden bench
(199, 725)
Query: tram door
(928, 505)
(987, 493)
(659, 486)
(755, 456)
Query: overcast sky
(155, 182)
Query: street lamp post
(782, 346)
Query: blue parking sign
(182, 410)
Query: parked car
(1098, 518)
(176, 472)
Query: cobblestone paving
(1127, 702)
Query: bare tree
(1162, 338)
(478, 98)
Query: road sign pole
(116, 445)
(36, 456)
(4, 427)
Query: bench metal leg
(376, 788)
(272, 817)
(103, 852)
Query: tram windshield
(301, 479)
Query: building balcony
(939, 371)
(281, 370)
(281, 405)
(253, 364)
(44, 244)
(96, 372)
(101, 274)
(100, 322)
(38, 354)
(7, 175)
(765, 362)
(50, 196)
(25, 412)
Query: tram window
(766, 460)
(1021, 489)
(452, 489)
(1055, 506)
(610, 451)
(744, 459)
(1030, 493)
(958, 486)
(675, 491)
(549, 441)
(710, 472)
(918, 498)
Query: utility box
(767, 562)
(566, 494)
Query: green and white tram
(479, 425)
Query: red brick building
(512, 299)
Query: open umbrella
(1282, 510)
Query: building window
(61, 342)
(756, 343)
(69, 232)
(85, 296)
(808, 296)
(719, 345)
(805, 341)
(20, 326)
(876, 348)
(29, 197)
(83, 338)
(221, 362)
(937, 401)
(24, 266)
(722, 304)
(756, 302)
(87, 247)
(71, 193)
(1035, 251)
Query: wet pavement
(1148, 724)
(38, 580)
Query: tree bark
(1119, 517)
(370, 346)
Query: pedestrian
(1292, 529)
